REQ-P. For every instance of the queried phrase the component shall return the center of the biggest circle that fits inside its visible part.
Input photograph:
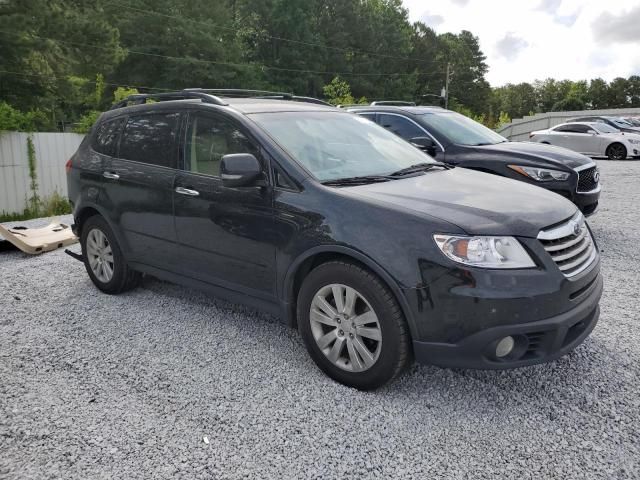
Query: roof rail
(397, 103)
(141, 98)
(266, 94)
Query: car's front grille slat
(570, 245)
(572, 251)
(563, 243)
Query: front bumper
(535, 342)
(587, 202)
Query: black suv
(374, 251)
(458, 140)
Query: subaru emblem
(576, 229)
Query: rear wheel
(616, 151)
(352, 325)
(103, 258)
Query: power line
(230, 64)
(265, 35)
(9, 72)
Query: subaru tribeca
(377, 253)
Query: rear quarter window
(105, 140)
(151, 139)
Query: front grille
(570, 245)
(588, 179)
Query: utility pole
(446, 86)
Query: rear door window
(151, 139)
(105, 140)
(401, 126)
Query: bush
(15, 120)
(52, 206)
(86, 122)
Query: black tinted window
(105, 140)
(209, 139)
(400, 126)
(580, 128)
(368, 116)
(151, 139)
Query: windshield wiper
(363, 180)
(419, 167)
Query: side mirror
(240, 170)
(425, 144)
(593, 132)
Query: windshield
(334, 145)
(604, 128)
(459, 129)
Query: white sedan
(591, 138)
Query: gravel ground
(165, 382)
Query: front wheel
(616, 151)
(352, 326)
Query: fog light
(505, 347)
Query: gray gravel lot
(96, 386)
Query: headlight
(540, 174)
(485, 252)
(635, 142)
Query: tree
(338, 92)
(598, 94)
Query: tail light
(531, 135)
(67, 166)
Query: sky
(525, 40)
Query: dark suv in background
(615, 122)
(458, 140)
(374, 251)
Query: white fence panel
(52, 152)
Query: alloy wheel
(345, 327)
(100, 255)
(618, 152)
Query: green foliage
(123, 92)
(568, 104)
(34, 200)
(503, 119)
(51, 206)
(86, 121)
(338, 92)
(61, 61)
(12, 119)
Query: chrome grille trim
(569, 245)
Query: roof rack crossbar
(398, 103)
(266, 94)
(141, 98)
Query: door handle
(111, 175)
(187, 191)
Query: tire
(115, 276)
(387, 357)
(616, 151)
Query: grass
(54, 205)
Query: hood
(535, 153)
(478, 203)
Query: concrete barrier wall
(518, 130)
